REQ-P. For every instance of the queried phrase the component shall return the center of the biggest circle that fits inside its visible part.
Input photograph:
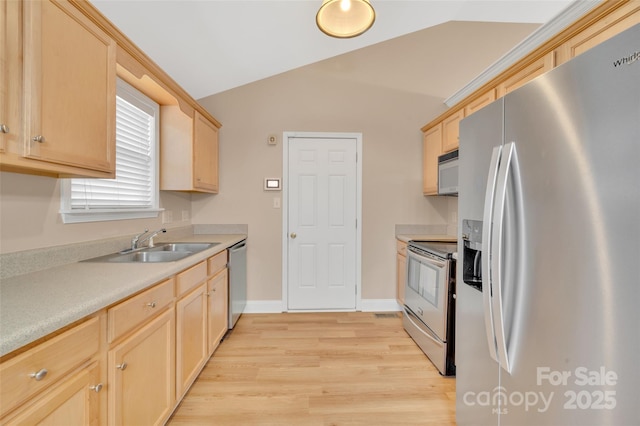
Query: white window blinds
(135, 186)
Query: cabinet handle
(96, 388)
(122, 366)
(151, 304)
(39, 375)
(38, 138)
(4, 128)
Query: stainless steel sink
(182, 247)
(168, 252)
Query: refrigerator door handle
(509, 171)
(486, 250)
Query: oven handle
(419, 257)
(413, 319)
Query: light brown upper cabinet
(618, 21)
(480, 102)
(205, 146)
(9, 44)
(451, 131)
(528, 73)
(431, 147)
(69, 91)
(188, 151)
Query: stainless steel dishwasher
(237, 281)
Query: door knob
(293, 235)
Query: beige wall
(386, 92)
(392, 168)
(367, 91)
(29, 217)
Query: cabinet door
(480, 102)
(191, 337)
(205, 154)
(69, 96)
(621, 19)
(4, 83)
(75, 401)
(10, 74)
(533, 70)
(451, 131)
(142, 374)
(218, 295)
(432, 142)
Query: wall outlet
(185, 215)
(167, 216)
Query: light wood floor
(318, 369)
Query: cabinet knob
(122, 366)
(4, 128)
(39, 375)
(96, 388)
(151, 304)
(38, 138)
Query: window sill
(81, 216)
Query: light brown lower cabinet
(58, 379)
(218, 295)
(191, 337)
(129, 364)
(141, 373)
(75, 401)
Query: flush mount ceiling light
(345, 18)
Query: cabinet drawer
(401, 246)
(217, 263)
(133, 312)
(57, 357)
(191, 277)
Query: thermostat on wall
(272, 184)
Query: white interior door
(321, 230)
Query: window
(133, 193)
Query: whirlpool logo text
(627, 60)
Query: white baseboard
(264, 307)
(380, 305)
(276, 306)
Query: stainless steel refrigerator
(548, 299)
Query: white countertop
(36, 304)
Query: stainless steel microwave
(448, 173)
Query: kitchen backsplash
(423, 230)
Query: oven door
(426, 290)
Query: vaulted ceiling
(210, 46)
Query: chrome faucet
(137, 240)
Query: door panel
(322, 223)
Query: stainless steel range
(429, 311)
